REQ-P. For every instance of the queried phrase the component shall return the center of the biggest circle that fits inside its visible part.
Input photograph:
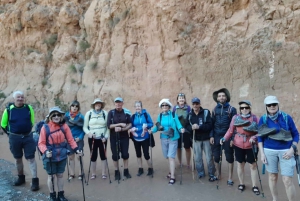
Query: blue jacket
(280, 123)
(76, 125)
(138, 121)
(167, 121)
(221, 119)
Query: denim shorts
(80, 145)
(287, 166)
(169, 147)
(18, 144)
(57, 167)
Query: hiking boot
(126, 174)
(252, 128)
(53, 196)
(169, 132)
(20, 180)
(238, 121)
(159, 126)
(60, 196)
(117, 175)
(140, 172)
(150, 172)
(264, 130)
(283, 135)
(35, 184)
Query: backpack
(151, 138)
(285, 117)
(11, 106)
(205, 115)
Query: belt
(244, 136)
(20, 134)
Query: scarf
(73, 114)
(274, 117)
(246, 115)
(97, 112)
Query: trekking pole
(117, 147)
(83, 175)
(297, 162)
(68, 168)
(181, 158)
(151, 153)
(254, 150)
(193, 158)
(51, 174)
(263, 168)
(220, 165)
(104, 148)
(92, 150)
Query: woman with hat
(242, 130)
(96, 129)
(75, 121)
(54, 137)
(277, 139)
(169, 125)
(182, 110)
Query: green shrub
(73, 68)
(81, 68)
(93, 65)
(51, 40)
(73, 81)
(44, 81)
(2, 95)
(83, 45)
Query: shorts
(57, 167)
(187, 143)
(18, 144)
(273, 157)
(80, 145)
(117, 148)
(169, 147)
(216, 150)
(244, 155)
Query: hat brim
(102, 104)
(224, 90)
(245, 102)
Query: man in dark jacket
(200, 123)
(221, 117)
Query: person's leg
(72, 165)
(60, 182)
(230, 159)
(172, 148)
(216, 149)
(187, 146)
(49, 183)
(125, 155)
(103, 158)
(145, 146)
(273, 177)
(96, 148)
(20, 166)
(188, 157)
(289, 187)
(138, 151)
(80, 145)
(209, 158)
(179, 150)
(241, 172)
(198, 151)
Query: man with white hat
(277, 141)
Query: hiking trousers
(199, 148)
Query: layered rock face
(57, 51)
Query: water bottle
(200, 121)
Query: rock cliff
(57, 51)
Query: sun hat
(165, 100)
(98, 100)
(245, 101)
(54, 109)
(224, 90)
(270, 100)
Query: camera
(159, 126)
(169, 132)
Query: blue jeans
(199, 147)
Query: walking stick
(297, 162)
(220, 165)
(92, 150)
(83, 176)
(104, 148)
(118, 154)
(254, 150)
(193, 158)
(68, 168)
(181, 158)
(51, 174)
(151, 153)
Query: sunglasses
(273, 104)
(164, 105)
(181, 94)
(244, 108)
(56, 115)
(75, 106)
(195, 103)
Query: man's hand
(123, 125)
(48, 154)
(195, 126)
(118, 129)
(212, 140)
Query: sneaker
(264, 130)
(126, 174)
(150, 172)
(140, 172)
(252, 128)
(117, 175)
(283, 135)
(230, 183)
(238, 121)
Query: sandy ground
(134, 189)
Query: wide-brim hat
(54, 109)
(224, 90)
(98, 100)
(165, 100)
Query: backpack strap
(48, 133)
(205, 115)
(146, 116)
(229, 111)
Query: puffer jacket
(221, 119)
(204, 130)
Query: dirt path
(134, 189)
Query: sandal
(172, 181)
(104, 176)
(71, 177)
(241, 187)
(255, 190)
(93, 176)
(168, 176)
(212, 178)
(80, 177)
(230, 183)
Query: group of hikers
(240, 134)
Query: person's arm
(150, 122)
(86, 123)
(107, 130)
(154, 129)
(233, 112)
(260, 139)
(69, 137)
(230, 130)
(4, 121)
(81, 119)
(31, 115)
(42, 141)
(128, 123)
(293, 129)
